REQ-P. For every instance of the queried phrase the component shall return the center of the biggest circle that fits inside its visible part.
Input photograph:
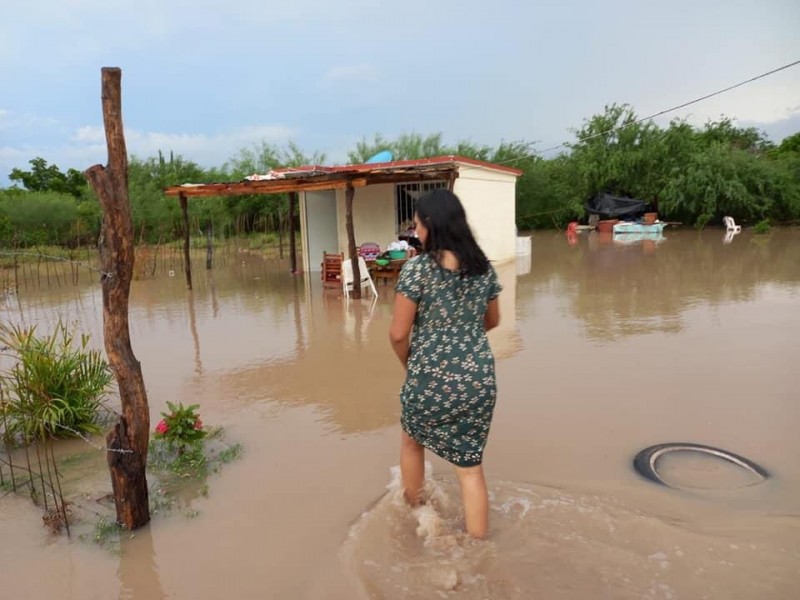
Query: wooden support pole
(292, 241)
(350, 192)
(187, 262)
(127, 457)
(209, 245)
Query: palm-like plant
(55, 388)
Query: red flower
(198, 424)
(162, 427)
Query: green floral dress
(449, 393)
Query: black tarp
(615, 206)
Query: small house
(383, 205)
(342, 207)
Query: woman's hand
(403, 315)
(492, 317)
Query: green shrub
(181, 428)
(762, 226)
(55, 389)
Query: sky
(205, 79)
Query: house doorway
(321, 227)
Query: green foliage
(182, 475)
(38, 218)
(181, 428)
(107, 534)
(230, 454)
(412, 146)
(689, 174)
(154, 215)
(48, 178)
(762, 227)
(790, 146)
(55, 389)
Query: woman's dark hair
(442, 213)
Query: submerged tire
(645, 461)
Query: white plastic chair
(347, 276)
(731, 225)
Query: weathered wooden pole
(127, 441)
(209, 245)
(350, 192)
(292, 241)
(187, 263)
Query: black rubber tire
(645, 461)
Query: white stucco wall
(318, 231)
(489, 199)
(373, 216)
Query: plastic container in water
(607, 226)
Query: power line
(658, 114)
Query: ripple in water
(551, 543)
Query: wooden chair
(332, 269)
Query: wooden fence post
(127, 441)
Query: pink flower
(198, 424)
(162, 427)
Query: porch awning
(317, 178)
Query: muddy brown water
(605, 348)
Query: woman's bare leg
(412, 468)
(476, 500)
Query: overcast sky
(206, 78)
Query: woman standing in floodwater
(448, 296)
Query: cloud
(209, 150)
(11, 154)
(25, 121)
(777, 130)
(360, 73)
(86, 146)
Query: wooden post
(280, 232)
(350, 192)
(127, 457)
(187, 263)
(292, 241)
(209, 245)
(451, 181)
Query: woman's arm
(492, 317)
(402, 321)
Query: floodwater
(605, 349)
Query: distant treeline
(694, 175)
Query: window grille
(406, 195)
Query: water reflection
(138, 570)
(345, 365)
(618, 288)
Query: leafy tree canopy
(48, 178)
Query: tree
(48, 178)
(413, 146)
(263, 211)
(615, 153)
(155, 216)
